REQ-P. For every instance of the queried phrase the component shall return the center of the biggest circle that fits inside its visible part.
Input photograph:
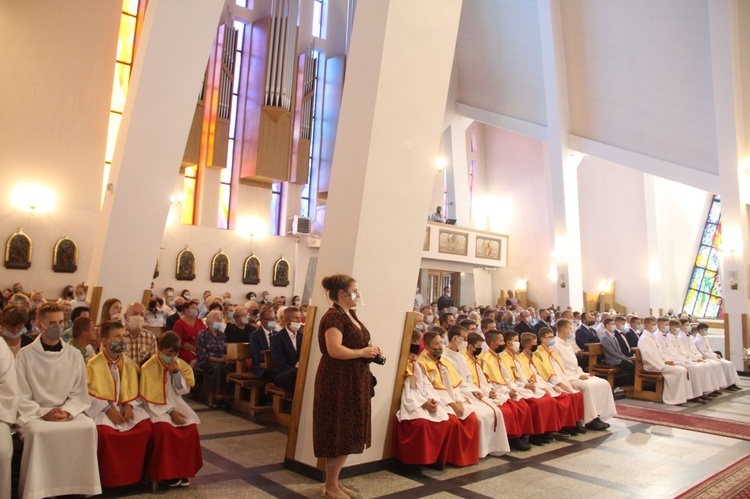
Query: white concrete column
(725, 65)
(454, 150)
(172, 52)
(561, 163)
(656, 289)
(392, 110)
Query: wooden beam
(95, 303)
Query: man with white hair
(140, 344)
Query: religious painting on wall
(18, 251)
(220, 267)
(185, 265)
(453, 243)
(251, 270)
(488, 248)
(281, 272)
(65, 256)
(426, 245)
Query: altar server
(121, 421)
(53, 395)
(676, 382)
(704, 347)
(8, 409)
(700, 377)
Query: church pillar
(170, 61)
(561, 164)
(388, 138)
(454, 151)
(730, 145)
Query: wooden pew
(281, 397)
(642, 376)
(598, 368)
(245, 380)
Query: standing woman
(341, 407)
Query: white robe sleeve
(8, 385)
(653, 359)
(79, 399)
(28, 408)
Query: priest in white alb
(598, 402)
(8, 410)
(59, 439)
(704, 347)
(676, 383)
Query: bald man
(140, 344)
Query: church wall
(743, 24)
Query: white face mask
(218, 326)
(297, 303)
(527, 320)
(429, 319)
(654, 329)
(245, 320)
(294, 326)
(516, 345)
(135, 322)
(689, 329)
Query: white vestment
(47, 380)
(687, 349)
(98, 409)
(597, 394)
(175, 387)
(8, 410)
(417, 391)
(676, 383)
(730, 373)
(492, 434)
(700, 377)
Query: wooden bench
(598, 368)
(643, 376)
(245, 380)
(282, 399)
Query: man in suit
(445, 301)
(285, 346)
(524, 325)
(634, 332)
(613, 354)
(260, 340)
(585, 334)
(622, 342)
(544, 321)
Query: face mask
(689, 329)
(35, 305)
(297, 303)
(53, 333)
(192, 313)
(534, 347)
(165, 358)
(461, 343)
(500, 348)
(245, 320)
(218, 326)
(265, 297)
(419, 327)
(230, 316)
(187, 296)
(12, 336)
(117, 346)
(516, 345)
(171, 303)
(569, 336)
(611, 329)
(136, 322)
(429, 319)
(552, 342)
(552, 317)
(527, 320)
(639, 327)
(437, 353)
(271, 325)
(294, 326)
(170, 293)
(414, 349)
(252, 297)
(81, 298)
(654, 329)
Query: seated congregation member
(702, 345)
(444, 377)
(714, 379)
(155, 315)
(122, 423)
(140, 344)
(80, 291)
(699, 376)
(569, 410)
(688, 349)
(260, 341)
(614, 355)
(493, 438)
(84, 334)
(422, 428)
(598, 402)
(13, 322)
(187, 328)
(545, 318)
(585, 334)
(285, 346)
(524, 325)
(212, 356)
(176, 455)
(634, 331)
(546, 363)
(53, 395)
(8, 409)
(517, 419)
(111, 310)
(240, 330)
(74, 314)
(172, 318)
(676, 383)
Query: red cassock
(122, 454)
(570, 406)
(517, 417)
(463, 441)
(421, 441)
(544, 414)
(177, 452)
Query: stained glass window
(703, 298)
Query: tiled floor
(243, 459)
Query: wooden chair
(245, 380)
(598, 368)
(643, 376)
(282, 398)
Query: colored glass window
(704, 297)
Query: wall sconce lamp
(177, 198)
(522, 285)
(605, 287)
(440, 164)
(33, 198)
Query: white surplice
(175, 387)
(47, 380)
(417, 391)
(687, 349)
(492, 434)
(730, 373)
(676, 384)
(98, 409)
(700, 377)
(597, 394)
(8, 410)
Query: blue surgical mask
(271, 325)
(11, 336)
(552, 342)
(165, 358)
(569, 336)
(230, 316)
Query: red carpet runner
(694, 422)
(734, 482)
